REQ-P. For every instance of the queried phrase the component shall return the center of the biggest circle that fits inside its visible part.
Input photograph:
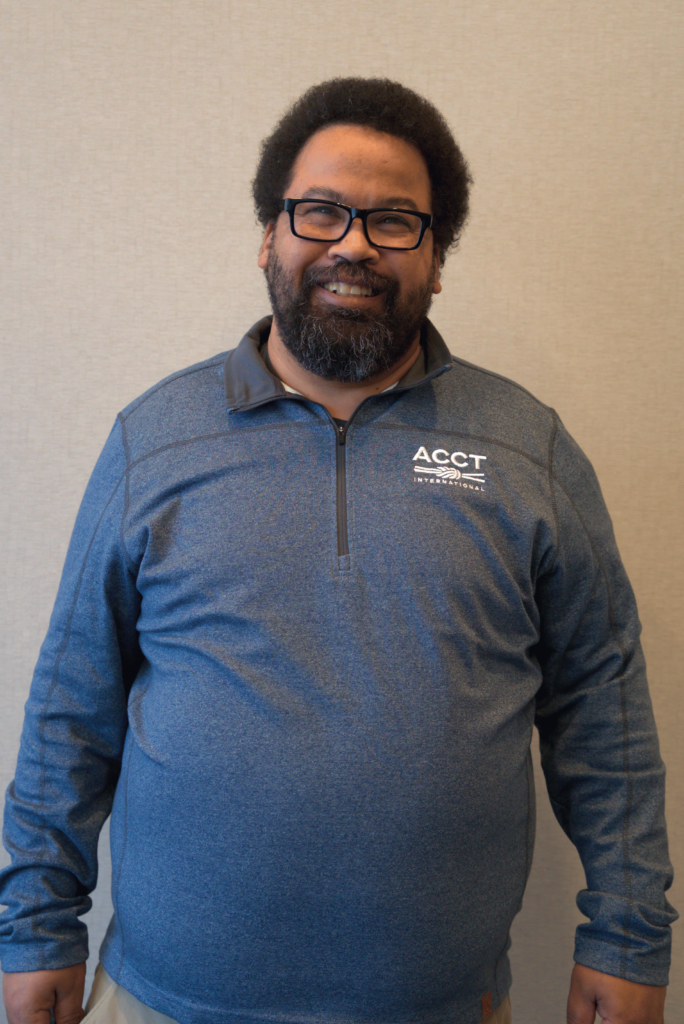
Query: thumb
(581, 1004)
(68, 1007)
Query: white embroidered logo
(451, 468)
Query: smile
(339, 288)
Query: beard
(345, 345)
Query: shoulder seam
(505, 380)
(196, 439)
(137, 402)
(552, 490)
(41, 856)
(127, 473)
(627, 816)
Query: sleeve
(598, 740)
(72, 739)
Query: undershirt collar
(415, 372)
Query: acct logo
(453, 468)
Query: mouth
(341, 288)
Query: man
(317, 594)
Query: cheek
(422, 282)
(293, 261)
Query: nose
(354, 247)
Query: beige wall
(128, 250)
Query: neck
(340, 399)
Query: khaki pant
(111, 1004)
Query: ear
(266, 244)
(436, 283)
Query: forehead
(366, 167)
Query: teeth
(340, 288)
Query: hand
(615, 1000)
(31, 995)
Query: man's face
(340, 337)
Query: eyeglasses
(318, 220)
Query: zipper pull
(341, 434)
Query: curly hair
(385, 106)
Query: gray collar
(250, 383)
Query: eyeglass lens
(328, 223)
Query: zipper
(341, 478)
(341, 467)
(340, 451)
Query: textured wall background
(128, 249)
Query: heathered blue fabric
(318, 767)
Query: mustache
(347, 273)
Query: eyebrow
(391, 202)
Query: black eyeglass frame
(290, 205)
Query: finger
(69, 1002)
(68, 1011)
(28, 1012)
(581, 1009)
